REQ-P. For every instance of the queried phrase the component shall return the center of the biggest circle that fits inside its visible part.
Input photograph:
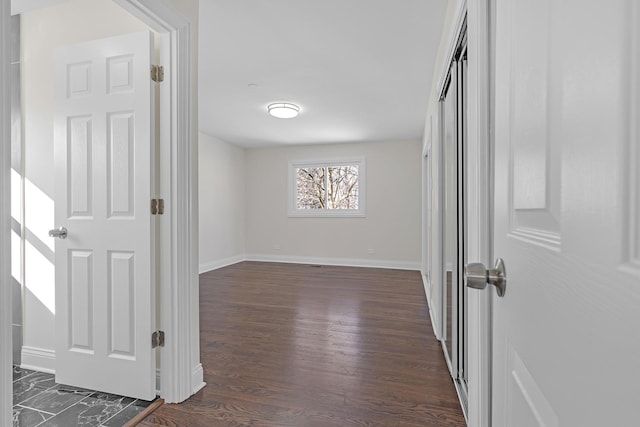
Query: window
(327, 188)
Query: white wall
(391, 228)
(5, 215)
(16, 192)
(43, 30)
(222, 202)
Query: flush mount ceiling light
(283, 110)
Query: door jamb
(181, 373)
(479, 171)
(478, 127)
(6, 395)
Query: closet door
(449, 211)
(453, 143)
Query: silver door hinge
(157, 206)
(157, 339)
(157, 73)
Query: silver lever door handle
(58, 232)
(478, 276)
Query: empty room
(295, 213)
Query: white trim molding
(428, 137)
(214, 265)
(179, 308)
(197, 376)
(345, 262)
(434, 320)
(452, 37)
(480, 245)
(6, 395)
(38, 359)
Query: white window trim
(327, 213)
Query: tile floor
(39, 401)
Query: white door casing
(105, 286)
(565, 335)
(182, 373)
(479, 201)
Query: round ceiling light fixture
(283, 110)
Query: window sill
(326, 214)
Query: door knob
(58, 232)
(478, 276)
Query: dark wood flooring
(299, 345)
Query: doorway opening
(39, 341)
(182, 372)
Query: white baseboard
(426, 284)
(43, 360)
(197, 378)
(38, 359)
(214, 265)
(346, 262)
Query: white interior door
(104, 281)
(566, 345)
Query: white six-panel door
(566, 340)
(104, 281)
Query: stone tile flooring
(39, 401)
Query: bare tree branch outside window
(343, 187)
(310, 188)
(330, 187)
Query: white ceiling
(21, 6)
(360, 70)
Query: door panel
(81, 324)
(534, 202)
(104, 295)
(565, 333)
(528, 405)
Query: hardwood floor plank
(295, 345)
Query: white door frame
(181, 374)
(480, 240)
(480, 214)
(6, 394)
